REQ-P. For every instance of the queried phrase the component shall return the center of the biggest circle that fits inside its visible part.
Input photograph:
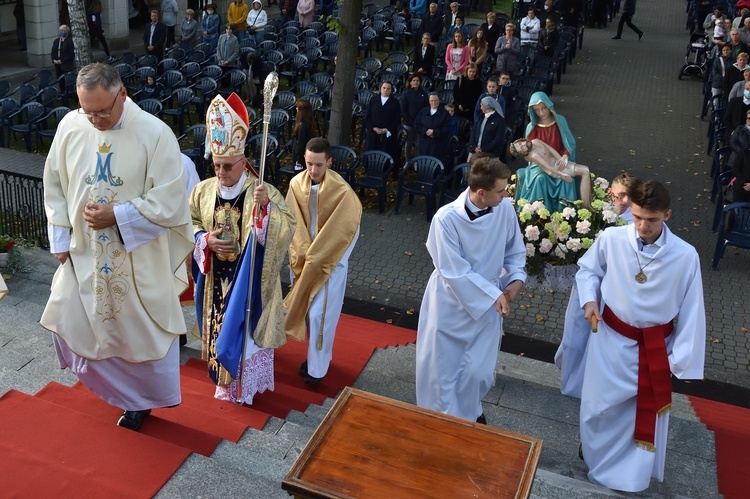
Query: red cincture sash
(654, 394)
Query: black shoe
(183, 340)
(481, 419)
(617, 37)
(132, 420)
(580, 452)
(310, 380)
(303, 369)
(640, 36)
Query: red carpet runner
(63, 441)
(731, 427)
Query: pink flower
(532, 233)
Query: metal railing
(22, 208)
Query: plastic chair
(48, 124)
(212, 71)
(190, 70)
(234, 80)
(204, 90)
(47, 97)
(279, 119)
(737, 234)
(29, 116)
(179, 106)
(196, 134)
(375, 167)
(429, 170)
(719, 164)
(8, 106)
(455, 183)
(304, 87)
(722, 181)
(285, 100)
(151, 106)
(168, 64)
(295, 68)
(171, 80)
(253, 149)
(342, 158)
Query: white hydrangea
(559, 252)
(530, 250)
(568, 212)
(538, 205)
(545, 246)
(609, 216)
(573, 244)
(601, 182)
(583, 226)
(532, 233)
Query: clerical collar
(125, 107)
(471, 205)
(233, 191)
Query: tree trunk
(343, 86)
(80, 31)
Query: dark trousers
(627, 19)
(170, 36)
(102, 40)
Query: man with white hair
(230, 212)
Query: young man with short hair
(479, 256)
(643, 284)
(328, 214)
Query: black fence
(22, 208)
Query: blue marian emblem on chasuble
(103, 169)
(111, 279)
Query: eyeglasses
(226, 168)
(101, 115)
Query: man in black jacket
(154, 36)
(628, 12)
(288, 10)
(432, 23)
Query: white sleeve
(59, 238)
(135, 230)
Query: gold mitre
(227, 126)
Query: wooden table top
(372, 446)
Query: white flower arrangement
(562, 237)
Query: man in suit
(488, 134)
(450, 16)
(228, 49)
(432, 23)
(154, 36)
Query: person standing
(424, 56)
(96, 31)
(210, 26)
(507, 51)
(305, 11)
(256, 21)
(155, 36)
(237, 17)
(121, 243)
(479, 256)
(433, 125)
(413, 100)
(63, 54)
(644, 334)
(432, 23)
(381, 123)
(288, 9)
(328, 214)
(188, 31)
(169, 11)
(571, 353)
(224, 209)
(20, 14)
(530, 27)
(228, 49)
(628, 11)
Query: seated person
(537, 152)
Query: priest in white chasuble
(120, 226)
(224, 209)
(479, 256)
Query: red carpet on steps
(63, 441)
(731, 427)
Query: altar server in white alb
(479, 257)
(643, 283)
(114, 193)
(571, 354)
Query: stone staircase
(525, 399)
